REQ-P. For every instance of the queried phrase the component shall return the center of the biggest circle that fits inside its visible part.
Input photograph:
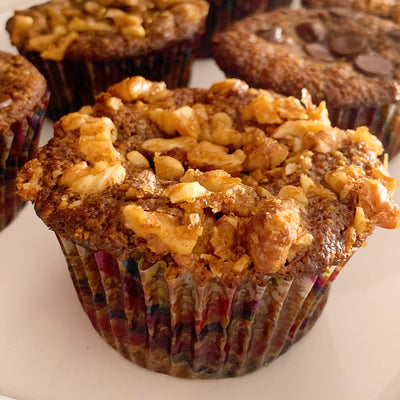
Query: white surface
(49, 350)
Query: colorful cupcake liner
(15, 150)
(180, 328)
(222, 13)
(75, 83)
(384, 122)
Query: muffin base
(15, 150)
(177, 327)
(76, 83)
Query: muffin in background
(23, 101)
(224, 13)
(203, 228)
(383, 8)
(83, 47)
(349, 59)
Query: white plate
(49, 350)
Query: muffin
(82, 47)
(384, 8)
(23, 102)
(349, 59)
(203, 227)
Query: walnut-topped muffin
(349, 59)
(206, 220)
(84, 46)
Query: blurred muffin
(203, 228)
(349, 59)
(383, 8)
(82, 47)
(222, 14)
(23, 102)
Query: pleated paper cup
(15, 150)
(183, 328)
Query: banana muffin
(23, 102)
(203, 227)
(349, 59)
(84, 46)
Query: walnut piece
(162, 231)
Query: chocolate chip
(273, 34)
(318, 51)
(347, 44)
(395, 32)
(311, 31)
(339, 12)
(373, 64)
(5, 100)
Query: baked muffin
(383, 8)
(349, 59)
(222, 14)
(84, 46)
(203, 228)
(23, 102)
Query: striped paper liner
(15, 151)
(178, 327)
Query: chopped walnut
(162, 231)
(262, 152)
(262, 109)
(83, 179)
(270, 234)
(168, 168)
(209, 155)
(160, 145)
(137, 159)
(136, 88)
(294, 133)
(183, 120)
(188, 191)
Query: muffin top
(343, 57)
(22, 89)
(227, 181)
(104, 29)
(384, 8)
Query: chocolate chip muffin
(350, 60)
(23, 102)
(84, 46)
(383, 8)
(203, 228)
(224, 13)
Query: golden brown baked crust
(104, 29)
(228, 181)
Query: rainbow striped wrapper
(181, 328)
(15, 150)
(76, 83)
(383, 122)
